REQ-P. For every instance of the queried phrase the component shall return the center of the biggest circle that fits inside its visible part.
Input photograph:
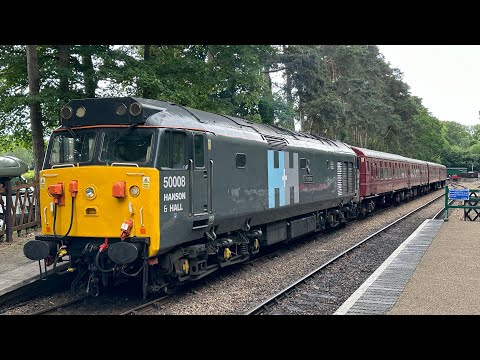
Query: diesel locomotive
(134, 187)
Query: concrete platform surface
(447, 279)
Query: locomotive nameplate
(308, 179)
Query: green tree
(428, 141)
(228, 79)
(457, 134)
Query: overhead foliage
(345, 92)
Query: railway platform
(435, 271)
(15, 269)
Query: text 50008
(173, 181)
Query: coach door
(199, 174)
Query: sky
(446, 77)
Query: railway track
(59, 308)
(287, 293)
(141, 309)
(65, 308)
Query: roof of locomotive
(384, 155)
(103, 111)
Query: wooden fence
(23, 207)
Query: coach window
(199, 144)
(303, 163)
(241, 160)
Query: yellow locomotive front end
(109, 202)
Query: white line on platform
(342, 310)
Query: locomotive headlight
(121, 110)
(134, 191)
(90, 192)
(135, 108)
(66, 112)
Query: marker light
(81, 112)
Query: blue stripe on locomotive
(279, 178)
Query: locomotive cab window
(134, 146)
(172, 150)
(72, 148)
(241, 161)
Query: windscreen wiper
(69, 129)
(130, 127)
